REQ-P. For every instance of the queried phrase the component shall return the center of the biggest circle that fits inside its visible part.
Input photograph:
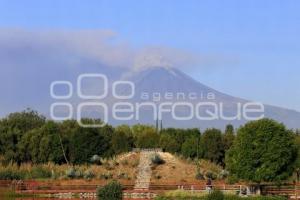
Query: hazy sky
(249, 49)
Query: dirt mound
(179, 170)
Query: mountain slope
(160, 85)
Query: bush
(111, 191)
(211, 175)
(96, 160)
(78, 174)
(11, 175)
(200, 176)
(157, 160)
(215, 195)
(135, 163)
(106, 176)
(40, 172)
(108, 166)
(223, 174)
(71, 173)
(123, 176)
(88, 174)
(157, 176)
(124, 162)
(232, 179)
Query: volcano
(159, 85)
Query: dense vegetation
(111, 191)
(259, 151)
(29, 137)
(262, 152)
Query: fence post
(240, 190)
(295, 188)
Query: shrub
(8, 174)
(135, 163)
(78, 174)
(71, 173)
(123, 176)
(111, 191)
(96, 160)
(157, 176)
(211, 175)
(157, 160)
(199, 176)
(223, 174)
(88, 174)
(106, 176)
(232, 179)
(108, 166)
(40, 172)
(215, 195)
(115, 163)
(124, 162)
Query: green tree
(121, 142)
(212, 145)
(168, 143)
(147, 139)
(12, 129)
(228, 137)
(179, 136)
(264, 151)
(297, 162)
(125, 129)
(86, 142)
(190, 147)
(41, 145)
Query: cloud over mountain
(31, 59)
(102, 46)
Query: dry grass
(207, 166)
(174, 170)
(180, 170)
(123, 168)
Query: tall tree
(297, 162)
(149, 138)
(228, 137)
(12, 129)
(121, 142)
(264, 151)
(190, 147)
(212, 144)
(168, 143)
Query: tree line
(263, 150)
(28, 137)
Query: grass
(177, 169)
(116, 168)
(7, 193)
(217, 195)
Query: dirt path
(144, 171)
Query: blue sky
(252, 48)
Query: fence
(33, 187)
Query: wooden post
(295, 188)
